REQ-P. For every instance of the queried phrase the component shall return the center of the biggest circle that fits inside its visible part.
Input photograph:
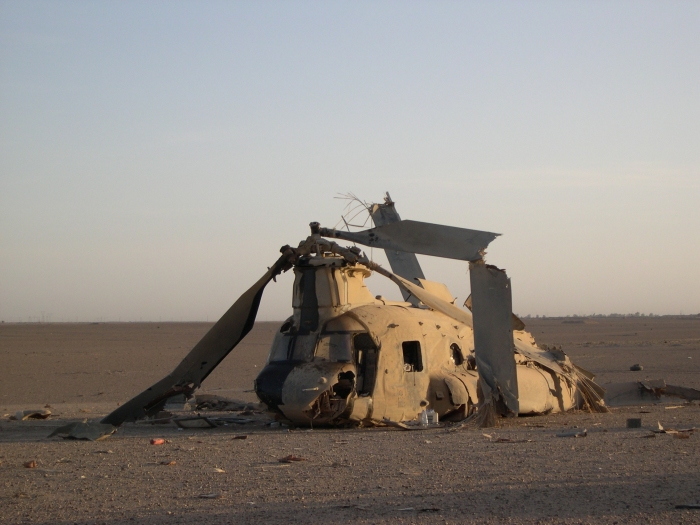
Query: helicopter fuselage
(346, 357)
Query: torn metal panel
(493, 333)
(421, 237)
(690, 394)
(404, 264)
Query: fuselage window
(412, 359)
(456, 354)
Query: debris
(85, 430)
(194, 422)
(224, 404)
(663, 430)
(240, 437)
(395, 424)
(291, 458)
(487, 436)
(23, 415)
(691, 506)
(30, 464)
(636, 368)
(161, 418)
(157, 441)
(635, 422)
(675, 406)
(648, 391)
(232, 419)
(573, 433)
(219, 470)
(210, 496)
(689, 394)
(168, 463)
(509, 440)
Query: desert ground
(519, 472)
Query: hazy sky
(154, 156)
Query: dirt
(519, 472)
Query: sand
(613, 475)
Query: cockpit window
(304, 347)
(334, 347)
(287, 347)
(280, 347)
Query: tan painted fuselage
(347, 357)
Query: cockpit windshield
(333, 347)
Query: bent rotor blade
(404, 264)
(421, 237)
(203, 358)
(493, 334)
(427, 298)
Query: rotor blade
(427, 298)
(202, 359)
(493, 334)
(402, 263)
(421, 237)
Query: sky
(155, 155)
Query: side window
(456, 354)
(412, 359)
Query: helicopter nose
(270, 382)
(317, 393)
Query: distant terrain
(519, 472)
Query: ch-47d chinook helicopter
(346, 357)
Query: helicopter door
(365, 362)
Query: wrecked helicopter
(346, 357)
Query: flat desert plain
(518, 472)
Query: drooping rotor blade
(204, 357)
(493, 334)
(421, 237)
(404, 264)
(427, 298)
